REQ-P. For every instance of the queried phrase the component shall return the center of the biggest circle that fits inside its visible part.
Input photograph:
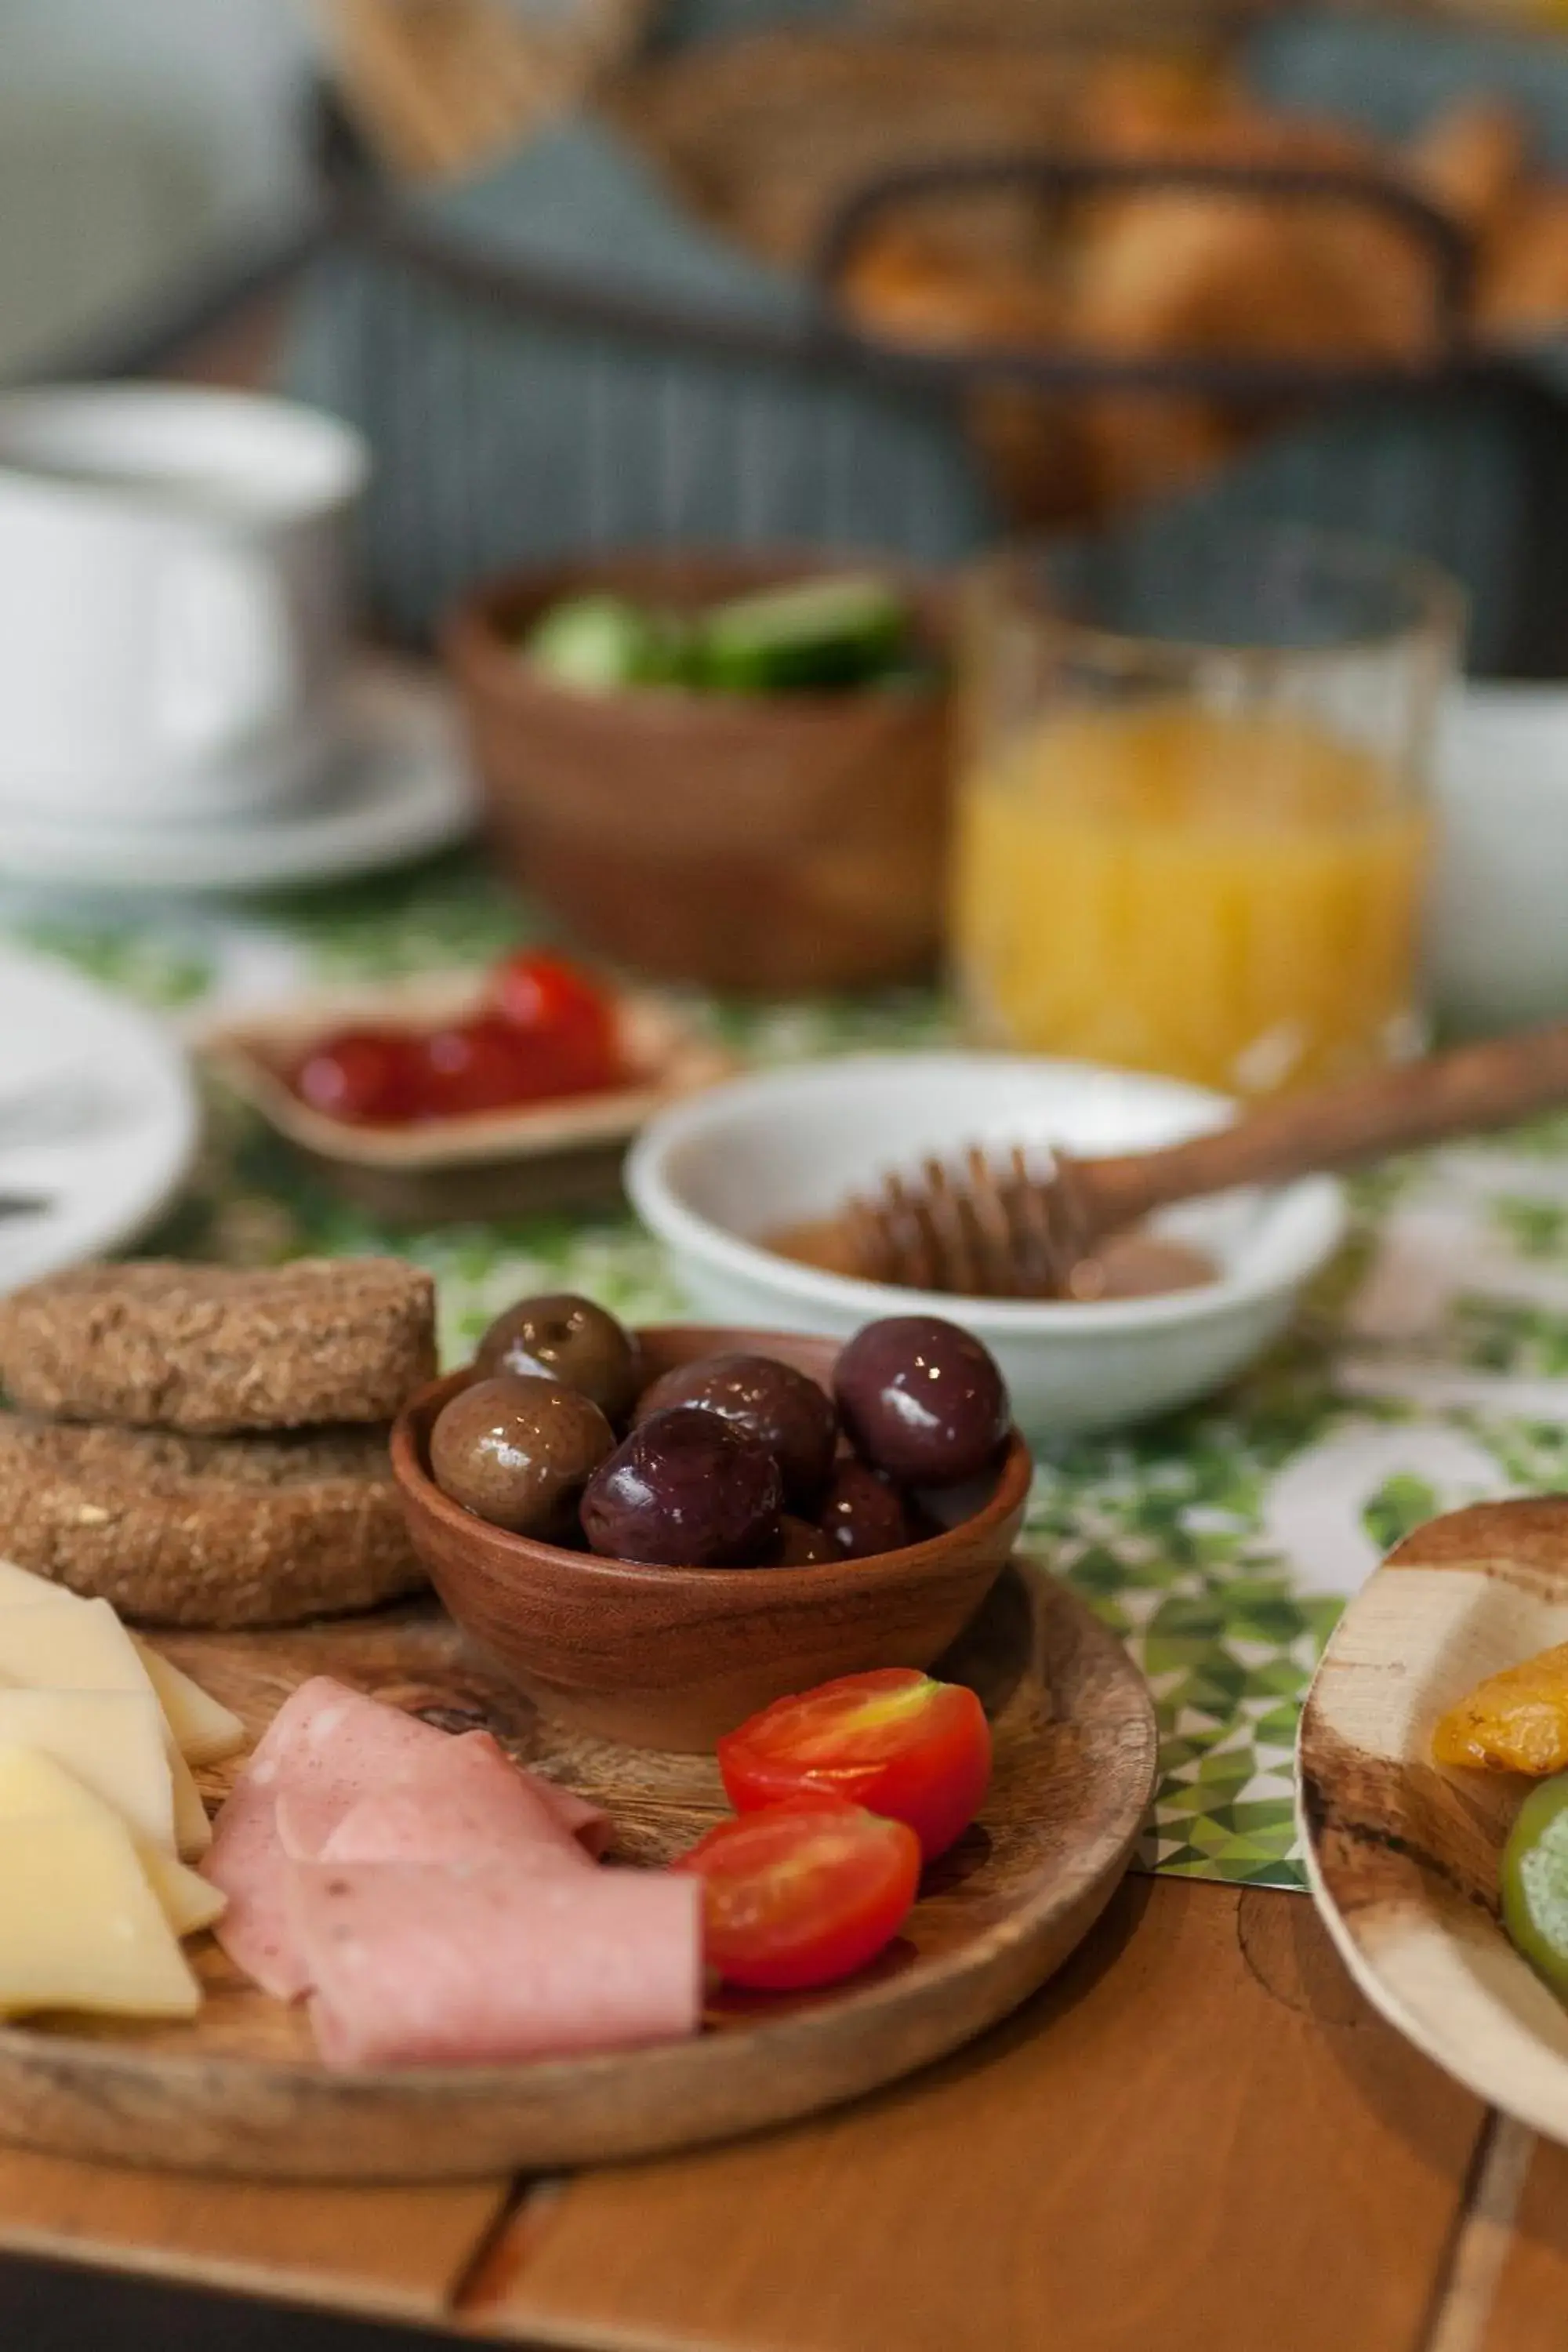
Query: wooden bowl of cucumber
(728, 768)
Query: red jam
(545, 1030)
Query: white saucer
(125, 1118)
(402, 792)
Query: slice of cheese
(111, 1741)
(80, 1925)
(193, 1830)
(82, 1646)
(19, 1588)
(86, 1648)
(32, 1782)
(33, 1785)
(205, 1730)
(189, 1901)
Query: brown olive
(863, 1513)
(782, 1409)
(519, 1451)
(687, 1490)
(800, 1545)
(563, 1338)
(922, 1400)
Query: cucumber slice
(604, 643)
(812, 637)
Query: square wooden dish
(485, 1164)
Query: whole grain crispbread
(211, 1531)
(215, 1349)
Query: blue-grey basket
(551, 357)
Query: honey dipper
(990, 1227)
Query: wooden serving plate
(500, 1163)
(1403, 1853)
(239, 2091)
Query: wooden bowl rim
(819, 1581)
(474, 646)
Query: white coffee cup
(173, 600)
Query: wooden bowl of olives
(658, 1533)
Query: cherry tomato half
(804, 1893)
(563, 1016)
(895, 1741)
(476, 1065)
(366, 1076)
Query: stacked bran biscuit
(206, 1446)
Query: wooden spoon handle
(1460, 1093)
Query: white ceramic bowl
(712, 1175)
(1498, 956)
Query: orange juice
(1225, 895)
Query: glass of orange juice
(1193, 821)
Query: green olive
(1535, 1881)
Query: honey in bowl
(1126, 1265)
(1222, 894)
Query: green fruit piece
(604, 644)
(1535, 1881)
(816, 636)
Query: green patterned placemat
(1431, 1367)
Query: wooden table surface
(1199, 2138)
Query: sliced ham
(327, 1745)
(468, 1802)
(247, 1862)
(346, 1748)
(444, 1964)
(588, 1823)
(441, 1905)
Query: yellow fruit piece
(1516, 1721)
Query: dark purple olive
(800, 1545)
(687, 1490)
(771, 1402)
(567, 1338)
(921, 1400)
(518, 1452)
(863, 1513)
